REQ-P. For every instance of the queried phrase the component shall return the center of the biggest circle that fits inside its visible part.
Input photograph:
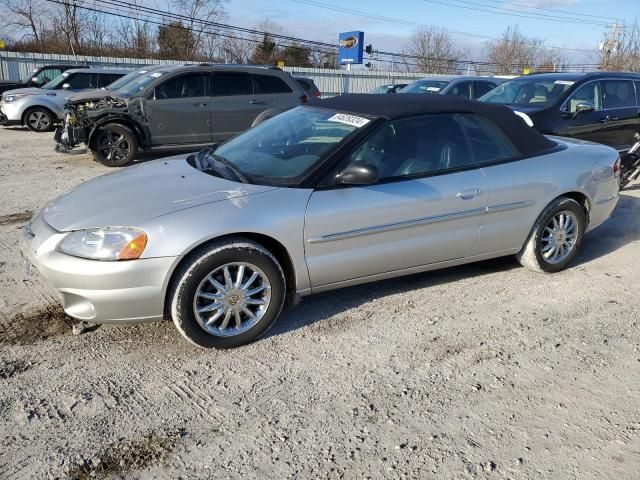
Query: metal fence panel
(16, 65)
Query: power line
(551, 10)
(336, 8)
(506, 11)
(160, 17)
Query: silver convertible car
(330, 194)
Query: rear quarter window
(270, 84)
(487, 142)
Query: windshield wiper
(207, 155)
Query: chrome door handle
(468, 194)
(256, 102)
(200, 105)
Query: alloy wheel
(39, 120)
(232, 299)
(113, 146)
(559, 237)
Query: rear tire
(227, 294)
(39, 119)
(555, 238)
(114, 145)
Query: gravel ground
(481, 371)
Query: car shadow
(621, 229)
(325, 305)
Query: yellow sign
(525, 71)
(2, 44)
(280, 64)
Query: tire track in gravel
(16, 218)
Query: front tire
(227, 294)
(555, 238)
(39, 120)
(114, 145)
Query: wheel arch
(275, 247)
(581, 198)
(23, 119)
(124, 121)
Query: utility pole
(610, 44)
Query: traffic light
(369, 49)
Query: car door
(426, 208)
(235, 105)
(621, 121)
(79, 81)
(585, 125)
(480, 87)
(514, 200)
(462, 89)
(179, 110)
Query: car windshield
(138, 84)
(129, 77)
(56, 82)
(528, 92)
(425, 86)
(282, 150)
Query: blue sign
(350, 47)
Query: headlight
(12, 97)
(111, 243)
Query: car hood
(96, 94)
(33, 91)
(136, 194)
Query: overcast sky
(561, 25)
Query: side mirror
(35, 80)
(66, 86)
(359, 173)
(583, 107)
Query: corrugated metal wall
(16, 65)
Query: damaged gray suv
(175, 106)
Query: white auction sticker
(433, 89)
(564, 82)
(155, 75)
(352, 120)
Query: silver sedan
(336, 193)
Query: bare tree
(514, 52)
(622, 53)
(27, 17)
(434, 51)
(200, 14)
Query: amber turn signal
(134, 248)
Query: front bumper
(4, 120)
(96, 291)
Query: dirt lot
(482, 371)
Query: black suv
(602, 107)
(38, 77)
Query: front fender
(50, 102)
(277, 214)
(123, 120)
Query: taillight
(318, 94)
(617, 167)
(303, 99)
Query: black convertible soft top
(390, 106)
